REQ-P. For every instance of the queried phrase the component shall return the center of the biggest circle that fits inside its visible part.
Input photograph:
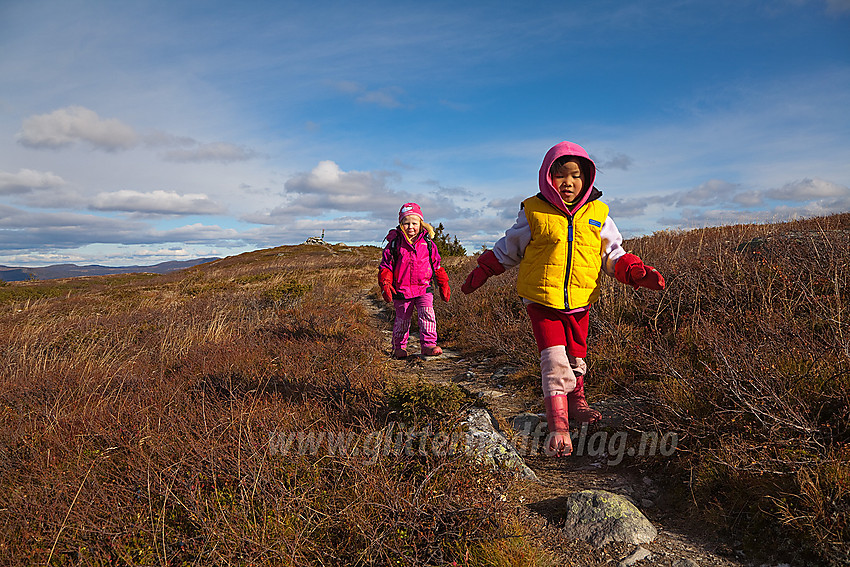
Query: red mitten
(632, 271)
(385, 280)
(650, 279)
(443, 283)
(488, 265)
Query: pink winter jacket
(412, 272)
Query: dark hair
(583, 164)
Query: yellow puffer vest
(561, 267)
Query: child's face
(568, 181)
(411, 225)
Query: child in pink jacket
(409, 262)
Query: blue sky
(139, 132)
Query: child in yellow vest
(563, 240)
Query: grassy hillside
(143, 421)
(746, 354)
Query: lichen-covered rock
(600, 517)
(486, 441)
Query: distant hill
(58, 271)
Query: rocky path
(681, 542)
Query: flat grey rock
(600, 517)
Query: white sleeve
(612, 246)
(510, 249)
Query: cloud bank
(156, 202)
(27, 180)
(76, 124)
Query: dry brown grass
(746, 354)
(137, 415)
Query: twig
(71, 507)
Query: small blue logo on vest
(595, 223)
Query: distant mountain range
(11, 274)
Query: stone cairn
(316, 239)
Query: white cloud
(73, 124)
(627, 208)
(749, 198)
(507, 208)
(328, 179)
(711, 192)
(156, 202)
(26, 180)
(55, 198)
(22, 230)
(220, 152)
(327, 187)
(76, 124)
(808, 189)
(158, 138)
(692, 218)
(199, 233)
(821, 207)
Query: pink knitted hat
(408, 209)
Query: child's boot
(558, 443)
(399, 353)
(578, 406)
(433, 350)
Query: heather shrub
(420, 404)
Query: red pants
(553, 328)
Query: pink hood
(588, 167)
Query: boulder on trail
(600, 517)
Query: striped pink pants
(424, 305)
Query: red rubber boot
(558, 443)
(578, 406)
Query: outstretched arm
(627, 268)
(488, 265)
(510, 249)
(506, 253)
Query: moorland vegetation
(136, 414)
(137, 411)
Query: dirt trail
(681, 542)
